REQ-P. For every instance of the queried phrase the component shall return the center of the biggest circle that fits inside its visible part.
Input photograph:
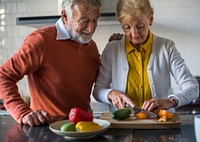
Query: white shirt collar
(62, 33)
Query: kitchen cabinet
(107, 16)
(39, 21)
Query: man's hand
(119, 99)
(36, 118)
(115, 36)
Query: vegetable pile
(80, 121)
(124, 113)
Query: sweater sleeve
(189, 89)
(25, 61)
(102, 85)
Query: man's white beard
(80, 37)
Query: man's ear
(64, 16)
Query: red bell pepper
(77, 114)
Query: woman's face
(137, 29)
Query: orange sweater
(60, 74)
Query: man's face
(83, 23)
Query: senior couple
(62, 63)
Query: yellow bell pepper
(85, 126)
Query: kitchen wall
(175, 19)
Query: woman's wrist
(174, 101)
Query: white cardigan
(164, 59)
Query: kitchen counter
(11, 131)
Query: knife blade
(149, 114)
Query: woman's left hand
(155, 104)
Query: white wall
(175, 19)
(12, 36)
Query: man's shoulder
(45, 30)
(51, 28)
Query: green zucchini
(121, 114)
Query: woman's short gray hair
(68, 5)
(127, 8)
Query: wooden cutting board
(134, 123)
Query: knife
(149, 114)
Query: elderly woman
(136, 69)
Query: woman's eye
(140, 26)
(126, 28)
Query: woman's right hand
(119, 99)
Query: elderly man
(61, 62)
